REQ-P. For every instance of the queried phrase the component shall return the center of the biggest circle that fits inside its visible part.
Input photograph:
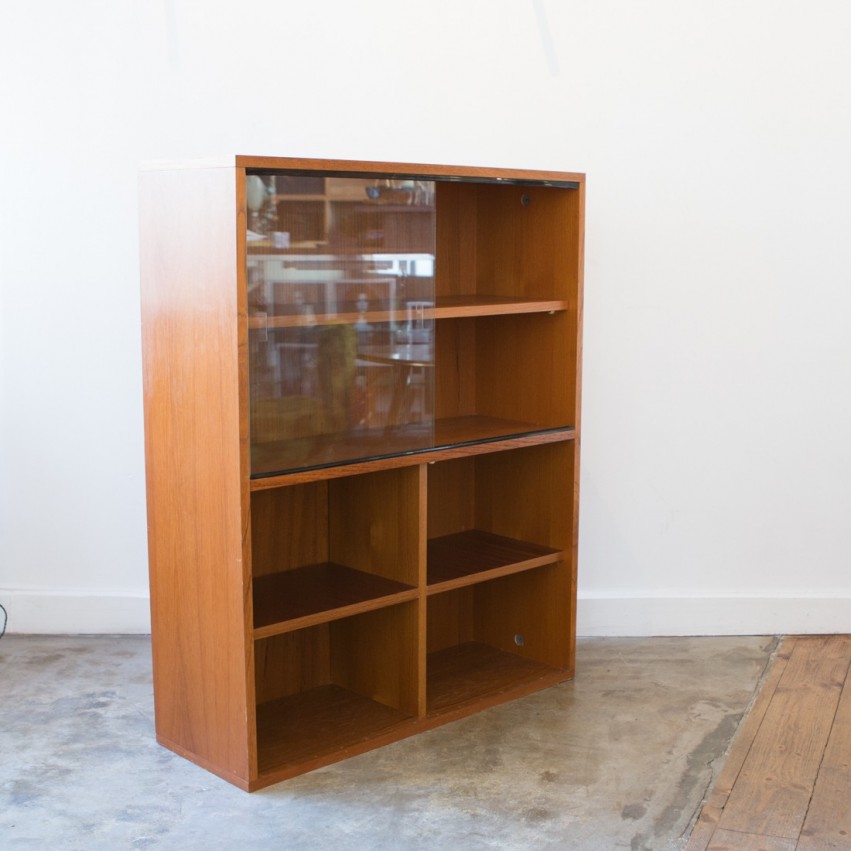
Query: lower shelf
(466, 558)
(315, 593)
(318, 726)
(475, 674)
(322, 725)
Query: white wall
(716, 477)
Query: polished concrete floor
(619, 758)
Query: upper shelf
(445, 307)
(331, 456)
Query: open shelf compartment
(335, 688)
(329, 549)
(489, 239)
(494, 514)
(495, 640)
(505, 373)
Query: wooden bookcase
(362, 450)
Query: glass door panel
(341, 347)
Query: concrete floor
(618, 758)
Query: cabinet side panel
(197, 512)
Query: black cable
(5, 620)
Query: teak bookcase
(362, 387)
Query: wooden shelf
(464, 431)
(476, 674)
(319, 726)
(317, 593)
(291, 461)
(452, 307)
(446, 307)
(466, 558)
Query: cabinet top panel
(367, 168)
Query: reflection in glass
(341, 339)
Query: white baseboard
(75, 612)
(612, 615)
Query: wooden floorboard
(786, 783)
(828, 822)
(707, 824)
(731, 840)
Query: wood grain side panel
(196, 515)
(576, 288)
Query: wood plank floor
(786, 782)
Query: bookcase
(361, 388)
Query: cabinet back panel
(455, 368)
(527, 494)
(455, 256)
(526, 248)
(375, 655)
(534, 607)
(525, 369)
(291, 663)
(516, 367)
(289, 527)
(375, 523)
(451, 497)
(489, 242)
(450, 619)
